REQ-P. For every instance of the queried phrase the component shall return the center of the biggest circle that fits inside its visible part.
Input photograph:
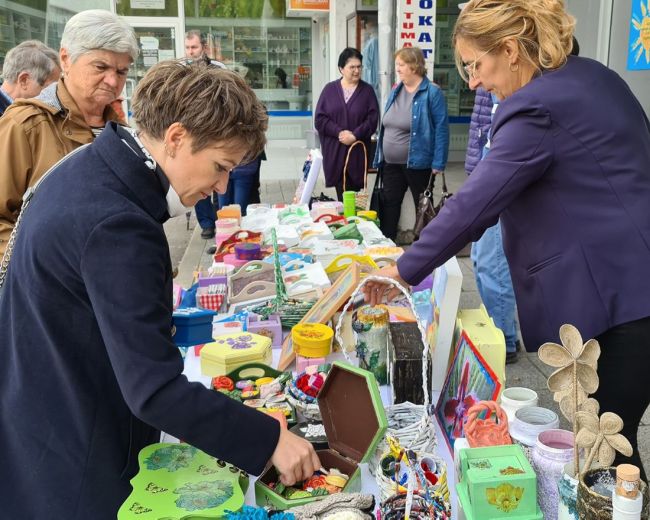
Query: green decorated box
(497, 482)
(180, 482)
(355, 421)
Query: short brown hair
(213, 104)
(414, 58)
(542, 28)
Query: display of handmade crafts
(572, 382)
(177, 481)
(321, 483)
(575, 377)
(264, 394)
(491, 431)
(302, 391)
(416, 492)
(290, 311)
(371, 325)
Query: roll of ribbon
(248, 251)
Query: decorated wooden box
(355, 422)
(497, 482)
(180, 482)
(231, 351)
(271, 328)
(192, 326)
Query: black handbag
(427, 209)
(376, 198)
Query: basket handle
(392, 282)
(365, 162)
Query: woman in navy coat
(88, 368)
(568, 175)
(347, 111)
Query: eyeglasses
(470, 68)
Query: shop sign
(416, 27)
(147, 4)
(638, 52)
(294, 6)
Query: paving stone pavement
(279, 180)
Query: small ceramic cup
(515, 398)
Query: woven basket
(387, 486)
(361, 197)
(306, 406)
(410, 424)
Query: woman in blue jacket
(88, 367)
(413, 139)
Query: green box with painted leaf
(497, 482)
(355, 422)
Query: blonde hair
(542, 28)
(213, 104)
(414, 58)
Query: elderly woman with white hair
(97, 49)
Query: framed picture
(325, 308)
(469, 380)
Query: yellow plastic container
(312, 340)
(369, 214)
(231, 351)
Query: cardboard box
(355, 422)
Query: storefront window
(38, 20)
(147, 7)
(256, 39)
(460, 99)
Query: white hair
(97, 29)
(30, 56)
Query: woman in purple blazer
(568, 174)
(347, 111)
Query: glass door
(158, 41)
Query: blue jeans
(494, 283)
(241, 182)
(205, 213)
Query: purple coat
(570, 176)
(359, 115)
(479, 127)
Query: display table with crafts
(278, 323)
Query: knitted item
(342, 506)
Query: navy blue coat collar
(132, 171)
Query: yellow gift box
(230, 351)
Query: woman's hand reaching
(375, 291)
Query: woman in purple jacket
(347, 111)
(567, 174)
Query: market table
(369, 486)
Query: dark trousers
(623, 372)
(206, 213)
(397, 178)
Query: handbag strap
(445, 193)
(27, 198)
(365, 163)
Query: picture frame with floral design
(469, 380)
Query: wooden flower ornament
(575, 377)
(602, 437)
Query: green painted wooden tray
(180, 482)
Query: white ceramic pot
(515, 398)
(530, 421)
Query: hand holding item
(346, 137)
(436, 172)
(294, 458)
(374, 291)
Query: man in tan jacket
(97, 48)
